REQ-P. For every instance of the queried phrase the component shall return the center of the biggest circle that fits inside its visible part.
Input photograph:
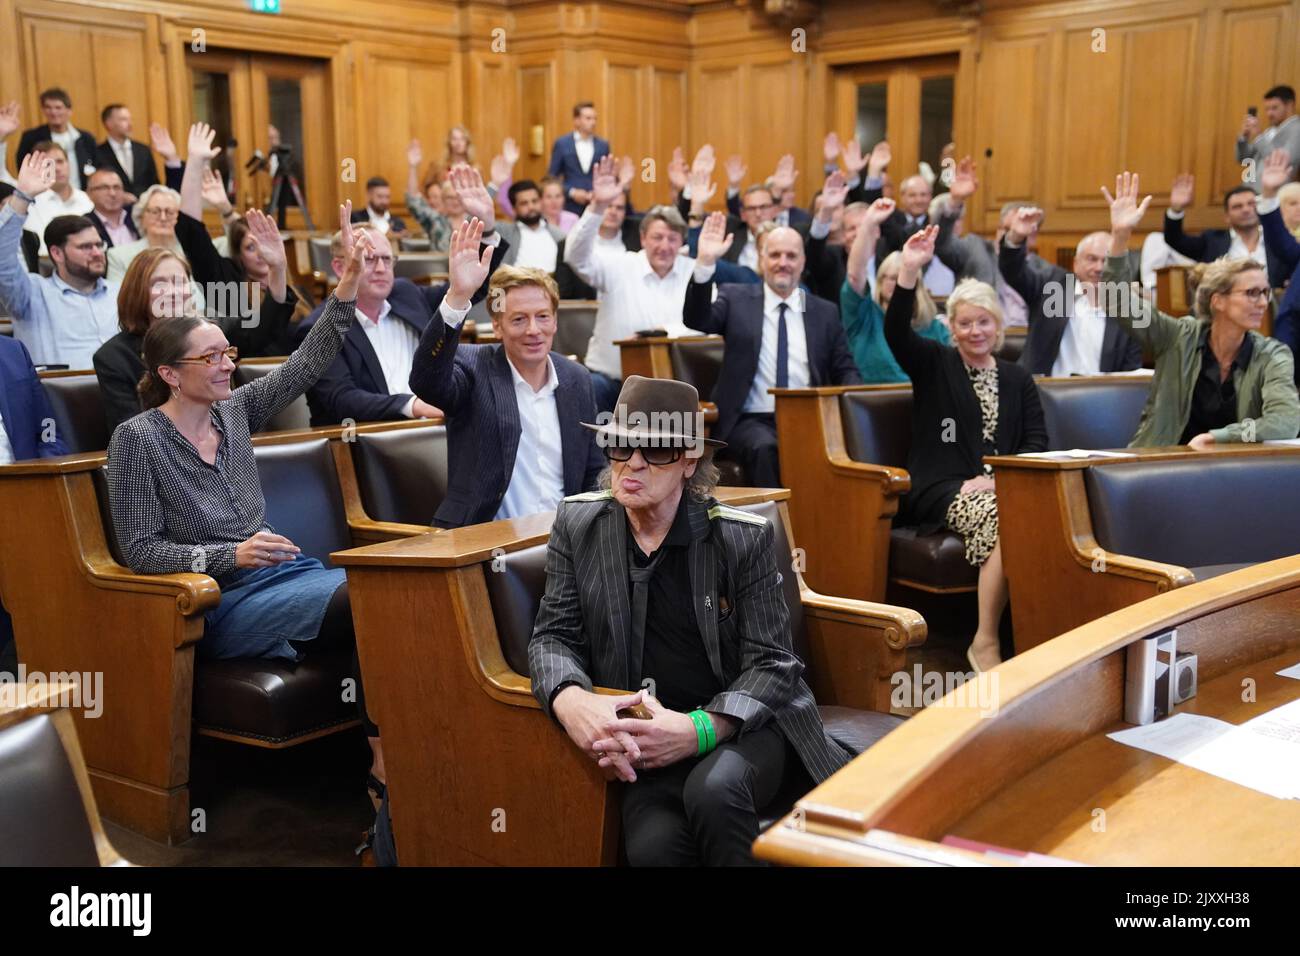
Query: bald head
(914, 196)
(1090, 256)
(104, 187)
(782, 260)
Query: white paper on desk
(1281, 724)
(1281, 441)
(1075, 454)
(1293, 672)
(1255, 757)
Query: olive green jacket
(1267, 404)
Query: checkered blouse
(174, 512)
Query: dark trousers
(704, 811)
(605, 390)
(752, 442)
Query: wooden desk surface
(1157, 812)
(1138, 454)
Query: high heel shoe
(974, 664)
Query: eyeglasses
(210, 358)
(375, 260)
(111, 187)
(1254, 295)
(763, 208)
(653, 455)
(163, 213)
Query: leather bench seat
(1209, 517)
(402, 474)
(295, 415)
(937, 560)
(277, 702)
(42, 812)
(78, 411)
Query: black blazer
(798, 217)
(394, 222)
(102, 229)
(894, 232)
(1048, 286)
(118, 363)
(947, 426)
(84, 147)
(737, 315)
(1215, 243)
(474, 387)
(571, 285)
(144, 172)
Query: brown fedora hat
(654, 412)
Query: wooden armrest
(856, 647)
(894, 482)
(194, 593)
(1165, 577)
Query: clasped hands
(623, 745)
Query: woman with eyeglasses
(1217, 379)
(154, 215)
(158, 286)
(185, 493)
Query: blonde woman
(1217, 380)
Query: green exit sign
(264, 6)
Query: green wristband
(705, 734)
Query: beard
(86, 273)
(530, 221)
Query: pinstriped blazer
(583, 633)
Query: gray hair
(699, 486)
(137, 211)
(667, 215)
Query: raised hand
(346, 233)
(1249, 127)
(831, 146)
(963, 182)
(1125, 210)
(269, 243)
(162, 143)
(466, 268)
(704, 160)
(736, 170)
(354, 263)
(917, 252)
(880, 210)
(834, 191)
(626, 171)
(677, 170)
(1181, 192)
(414, 154)
(604, 184)
(468, 183)
(854, 161)
(36, 174)
(214, 191)
(1025, 222)
(714, 240)
(10, 119)
(879, 159)
(784, 175)
(1275, 172)
(702, 189)
(499, 170)
(200, 143)
(510, 150)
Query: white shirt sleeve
(453, 317)
(703, 273)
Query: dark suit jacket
(84, 147)
(947, 426)
(894, 232)
(737, 315)
(1043, 290)
(798, 217)
(143, 174)
(361, 215)
(103, 230)
(474, 387)
(571, 285)
(1284, 247)
(25, 406)
(564, 163)
(584, 625)
(1215, 243)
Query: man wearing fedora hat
(651, 583)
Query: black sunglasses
(653, 455)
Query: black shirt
(1214, 400)
(673, 656)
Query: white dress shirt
(48, 205)
(537, 247)
(610, 247)
(585, 147)
(1080, 352)
(394, 343)
(797, 372)
(125, 158)
(68, 140)
(1237, 248)
(537, 479)
(381, 221)
(6, 449)
(1156, 254)
(748, 252)
(632, 298)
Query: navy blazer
(1284, 247)
(564, 163)
(1214, 244)
(737, 315)
(474, 387)
(354, 385)
(24, 405)
(145, 171)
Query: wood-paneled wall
(1053, 96)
